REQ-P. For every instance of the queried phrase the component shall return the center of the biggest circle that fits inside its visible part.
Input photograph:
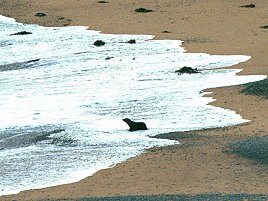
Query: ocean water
(62, 100)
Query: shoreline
(186, 170)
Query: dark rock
(143, 10)
(264, 27)
(166, 31)
(248, 6)
(21, 33)
(108, 58)
(40, 15)
(132, 41)
(102, 2)
(99, 43)
(188, 70)
(135, 126)
(34, 60)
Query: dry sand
(200, 164)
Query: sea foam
(72, 95)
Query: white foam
(87, 90)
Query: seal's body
(135, 126)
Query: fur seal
(135, 126)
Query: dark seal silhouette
(135, 126)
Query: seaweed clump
(143, 10)
(249, 6)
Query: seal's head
(126, 120)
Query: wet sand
(203, 163)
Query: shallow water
(62, 100)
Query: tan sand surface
(200, 164)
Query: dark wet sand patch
(179, 197)
(254, 148)
(259, 88)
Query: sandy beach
(205, 161)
